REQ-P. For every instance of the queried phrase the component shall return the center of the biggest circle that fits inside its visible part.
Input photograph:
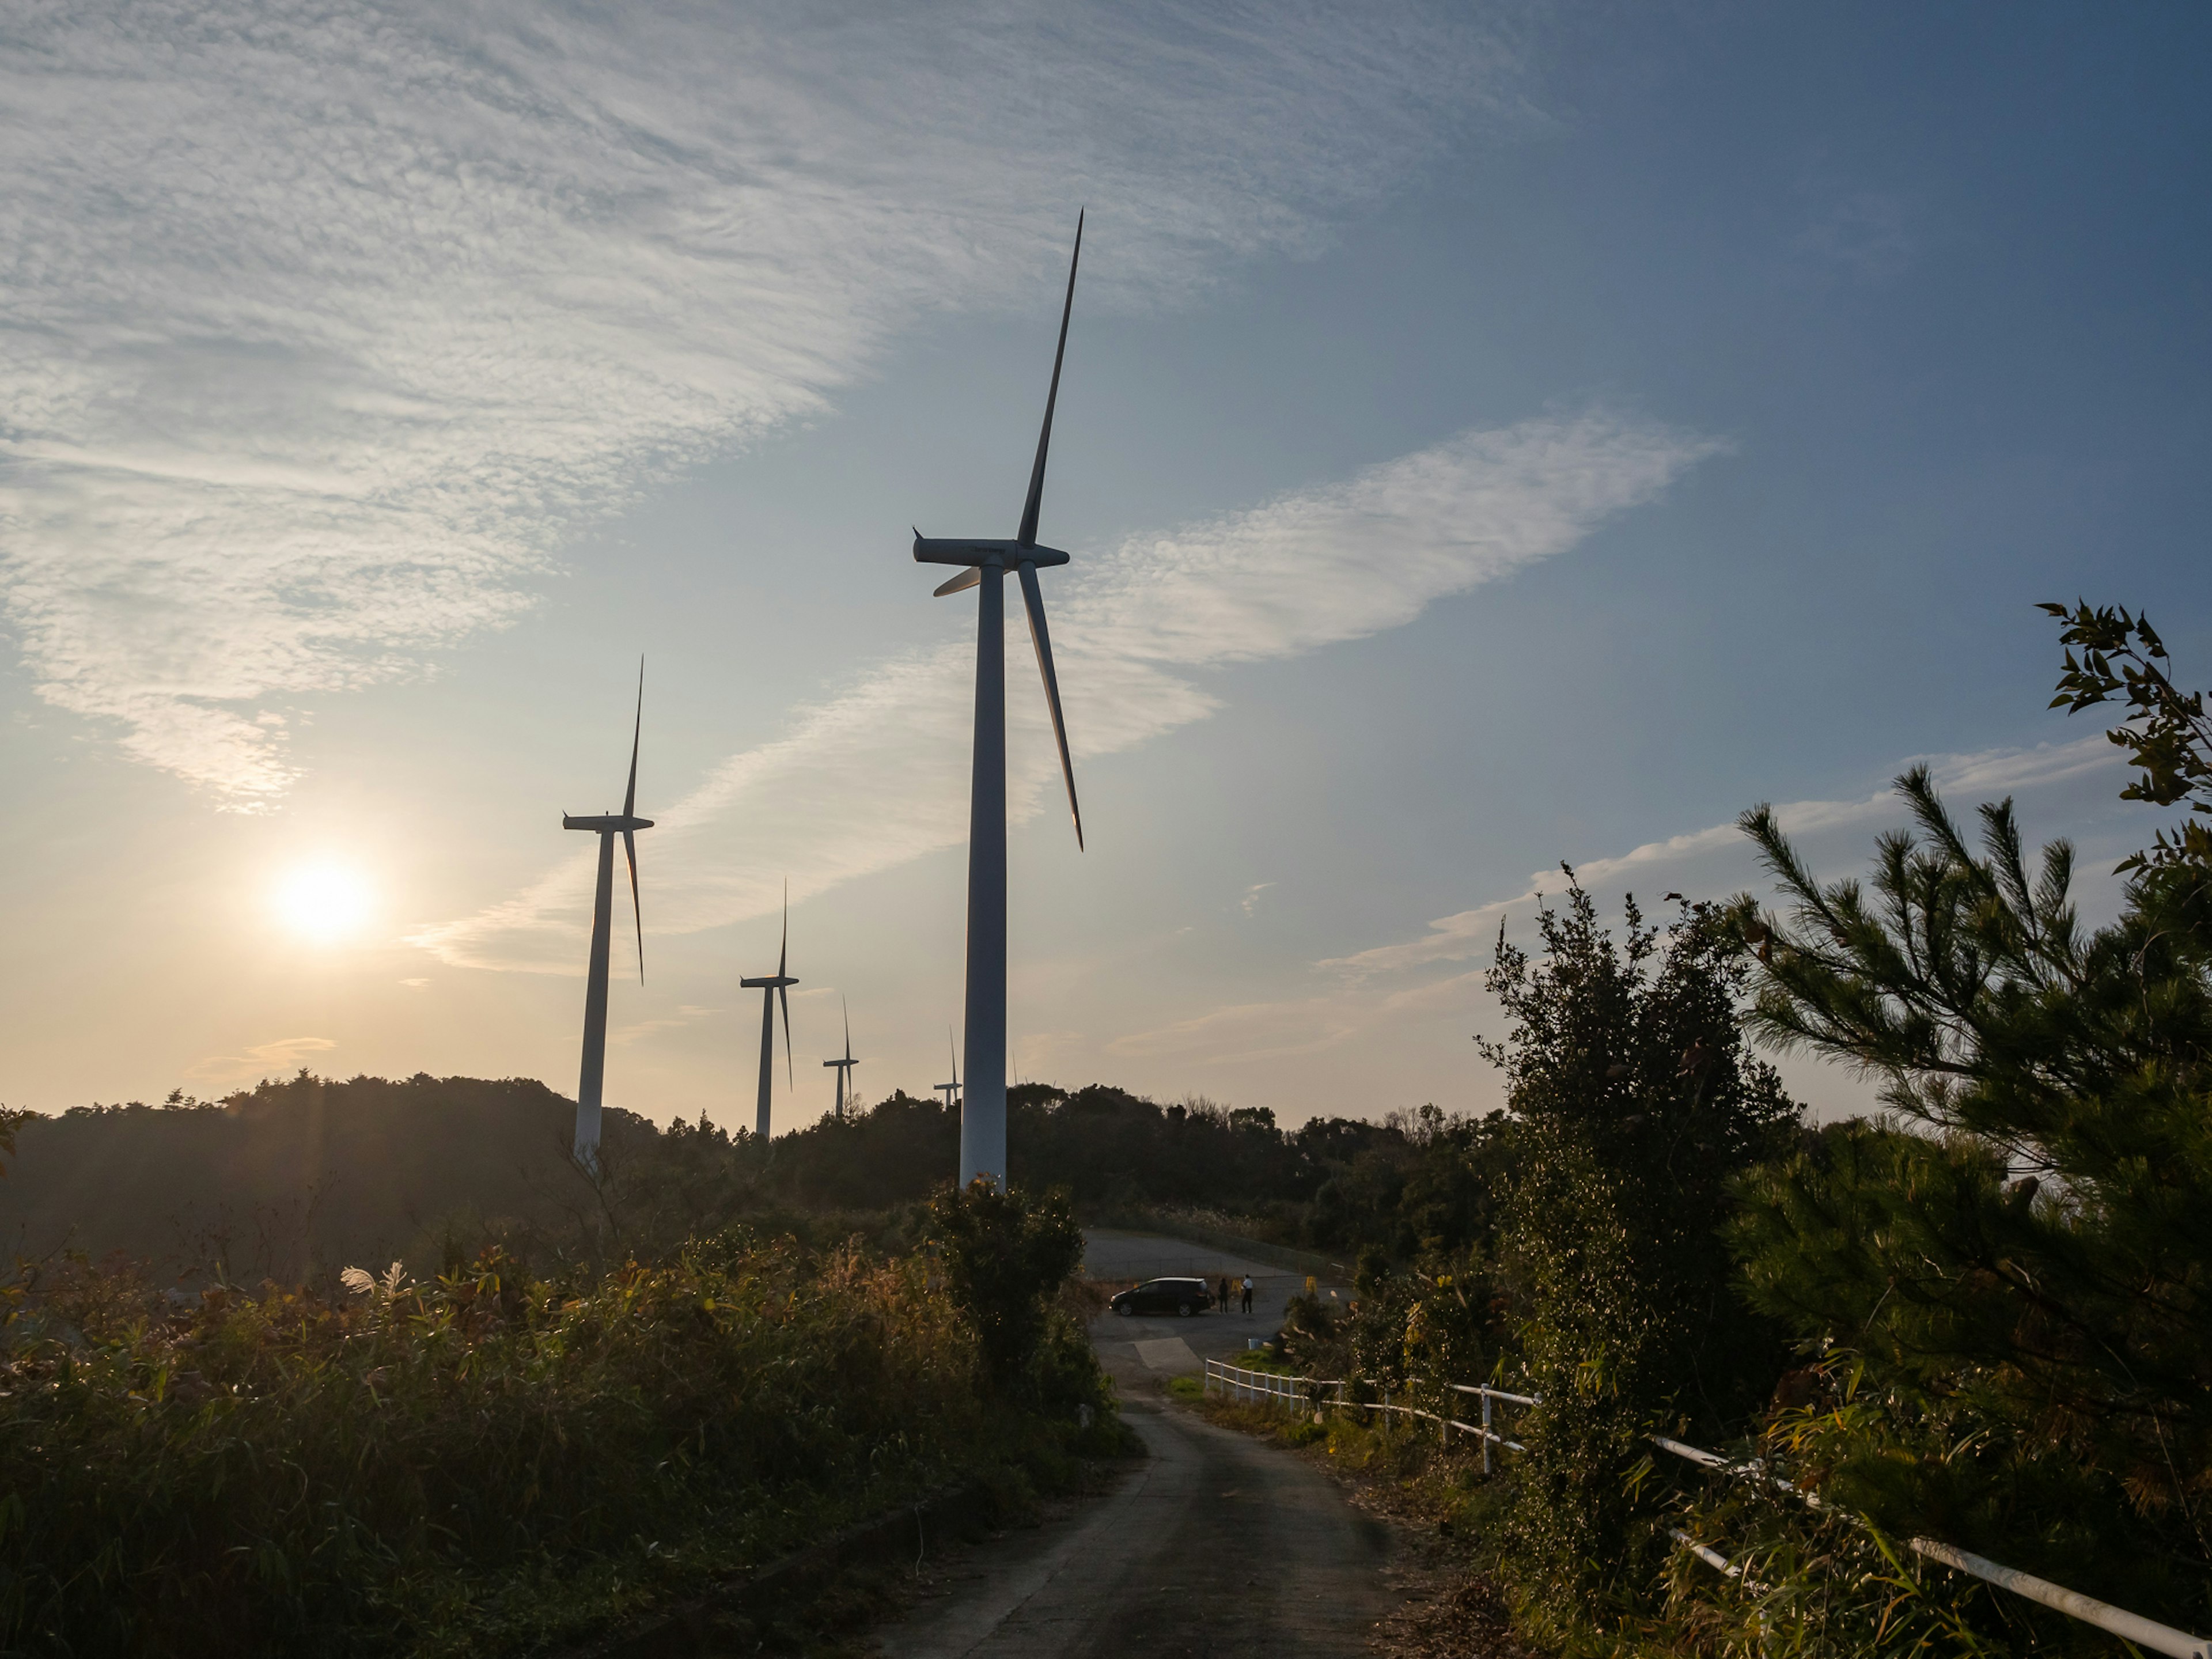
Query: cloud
(1251, 900)
(1393, 999)
(1867, 236)
(1471, 932)
(263, 1060)
(1246, 1031)
(327, 323)
(1311, 569)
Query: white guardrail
(1323, 1395)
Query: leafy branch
(2166, 734)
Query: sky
(1491, 437)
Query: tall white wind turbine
(773, 987)
(983, 1118)
(844, 1065)
(625, 824)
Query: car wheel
(1185, 1309)
(1124, 1310)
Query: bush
(1005, 1255)
(1634, 1102)
(484, 1461)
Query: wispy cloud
(1865, 235)
(326, 323)
(1381, 995)
(1307, 569)
(1471, 932)
(261, 1060)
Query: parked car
(1175, 1295)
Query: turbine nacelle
(613, 824)
(1004, 555)
(774, 989)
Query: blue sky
(1489, 438)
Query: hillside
(294, 1178)
(300, 1177)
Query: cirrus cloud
(1311, 568)
(326, 322)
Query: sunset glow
(327, 901)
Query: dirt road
(1215, 1545)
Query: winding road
(1214, 1544)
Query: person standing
(1247, 1293)
(1223, 1302)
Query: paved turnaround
(1216, 1544)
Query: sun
(327, 901)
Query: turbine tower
(625, 824)
(951, 1090)
(983, 1117)
(774, 988)
(844, 1065)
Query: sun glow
(328, 902)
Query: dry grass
(477, 1464)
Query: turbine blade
(959, 584)
(790, 1070)
(1028, 533)
(1033, 601)
(629, 848)
(953, 1043)
(783, 951)
(849, 1029)
(630, 800)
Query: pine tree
(2011, 1277)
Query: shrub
(474, 1463)
(1005, 1254)
(1634, 1102)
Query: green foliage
(483, 1462)
(1006, 1254)
(2015, 1292)
(1634, 1102)
(2165, 734)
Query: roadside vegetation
(1983, 1316)
(495, 1459)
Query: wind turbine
(844, 1065)
(983, 1118)
(625, 824)
(951, 1090)
(772, 988)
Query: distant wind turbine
(773, 989)
(983, 1118)
(844, 1065)
(625, 824)
(951, 1090)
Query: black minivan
(1175, 1295)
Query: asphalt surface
(1137, 1349)
(1214, 1544)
